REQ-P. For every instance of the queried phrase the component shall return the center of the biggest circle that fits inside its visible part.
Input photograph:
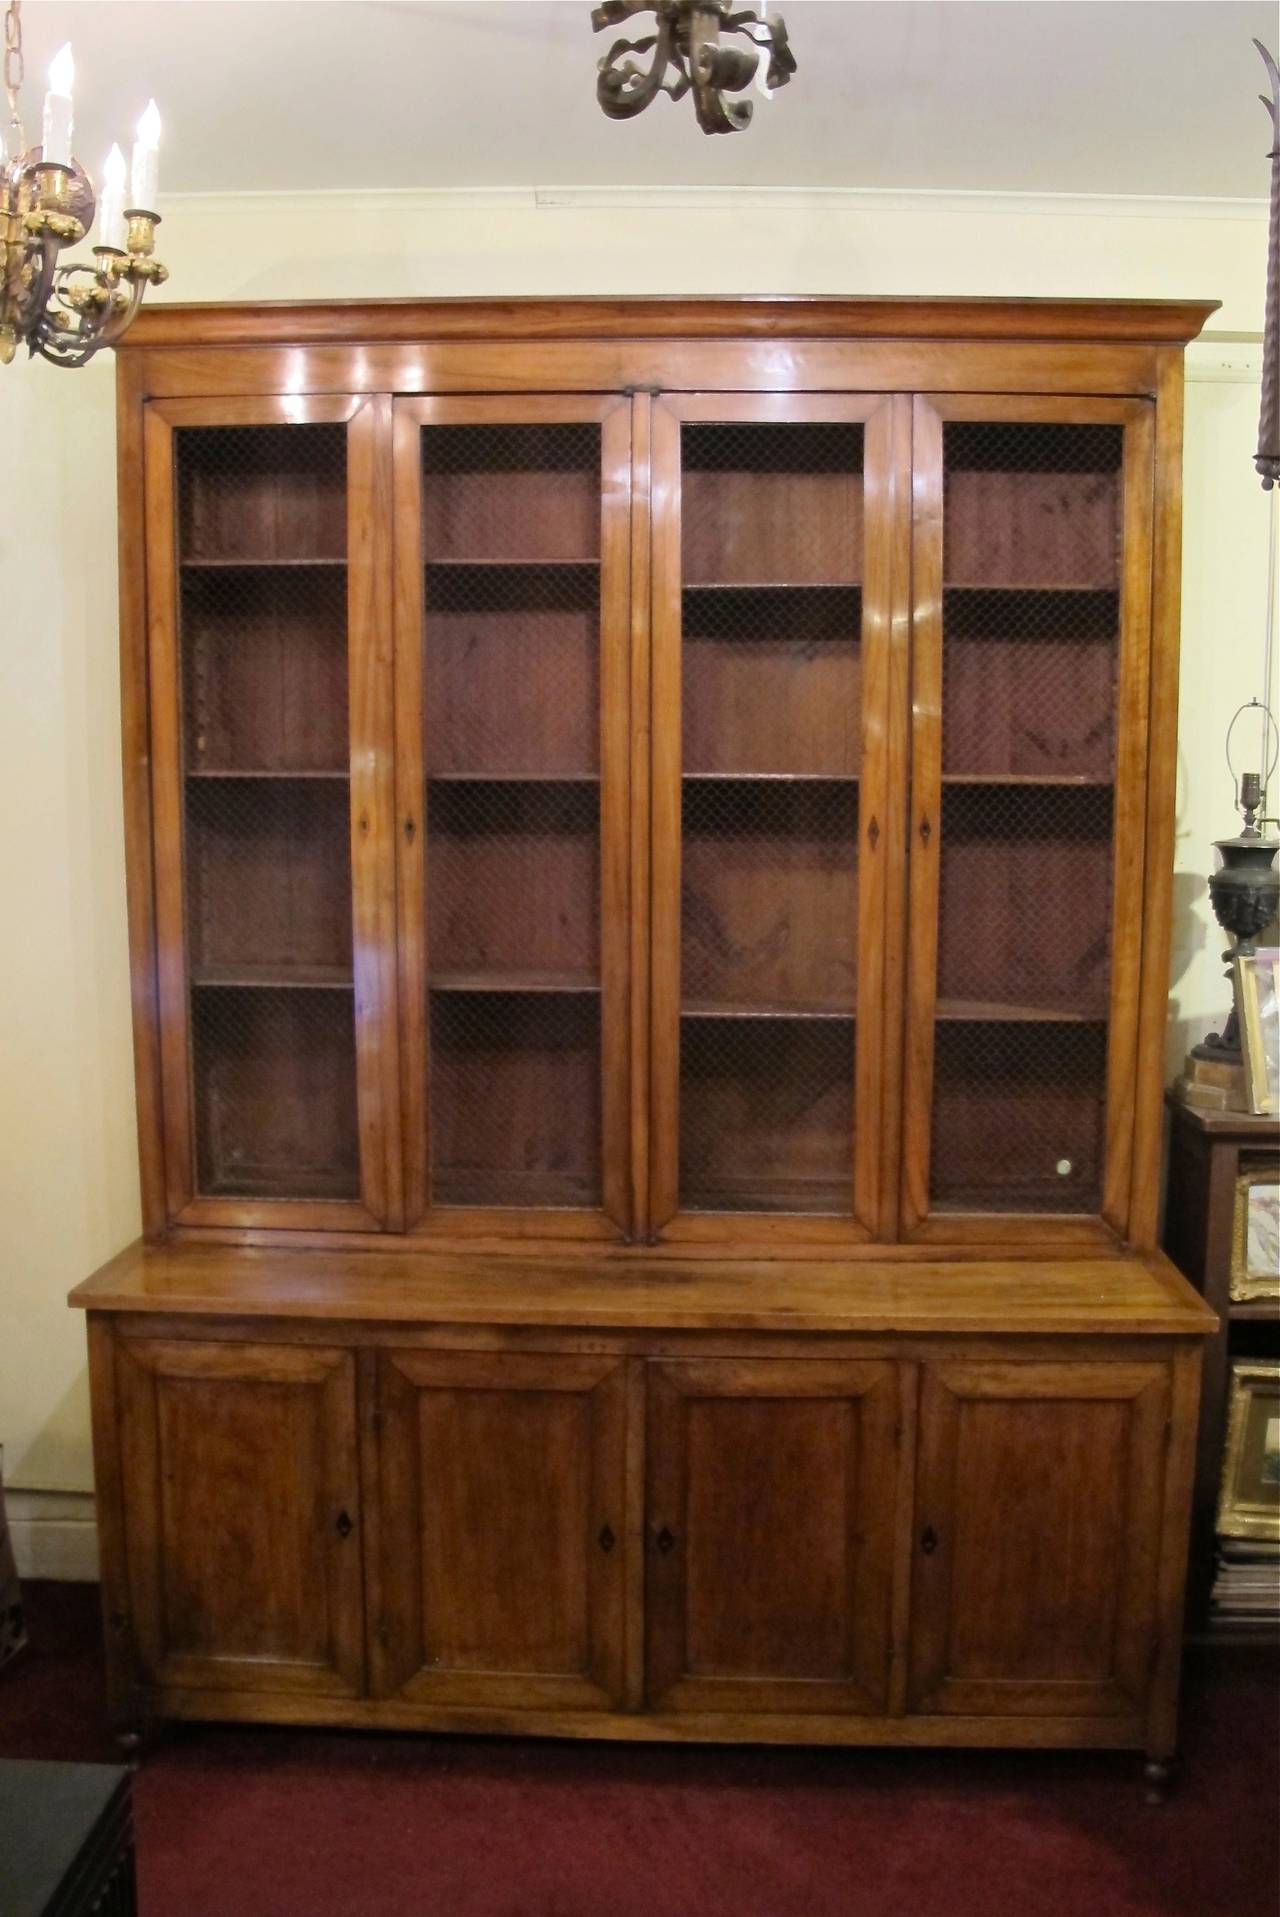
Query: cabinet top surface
(336, 321)
(1120, 1295)
(1258, 1130)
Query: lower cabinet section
(907, 1543)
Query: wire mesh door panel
(1029, 673)
(761, 584)
(256, 892)
(512, 656)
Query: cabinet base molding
(922, 1733)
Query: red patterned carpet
(299, 1824)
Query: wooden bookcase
(649, 830)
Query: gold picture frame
(1255, 1237)
(1257, 990)
(1249, 1502)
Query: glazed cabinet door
(242, 1512)
(1030, 673)
(512, 646)
(774, 524)
(769, 1528)
(502, 1533)
(1039, 1500)
(268, 569)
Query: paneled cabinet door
(1039, 1494)
(242, 1513)
(512, 701)
(769, 1526)
(1031, 642)
(773, 578)
(501, 1538)
(270, 680)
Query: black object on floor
(66, 1841)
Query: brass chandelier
(66, 313)
(688, 54)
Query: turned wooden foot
(1159, 1773)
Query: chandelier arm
(626, 89)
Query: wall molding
(778, 199)
(1224, 362)
(55, 1534)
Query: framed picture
(1249, 1504)
(1255, 1237)
(1257, 983)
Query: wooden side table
(1208, 1153)
(66, 1840)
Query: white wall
(68, 1179)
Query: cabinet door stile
(260, 606)
(373, 817)
(641, 857)
(880, 796)
(166, 800)
(1031, 639)
(513, 686)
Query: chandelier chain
(13, 65)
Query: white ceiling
(1068, 96)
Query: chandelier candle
(146, 159)
(111, 221)
(56, 138)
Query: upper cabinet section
(513, 637)
(1030, 669)
(695, 774)
(263, 831)
(770, 599)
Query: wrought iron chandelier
(65, 313)
(688, 55)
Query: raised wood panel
(769, 1535)
(503, 1529)
(241, 1505)
(1039, 1509)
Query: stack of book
(1246, 1590)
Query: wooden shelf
(511, 982)
(774, 778)
(1083, 779)
(1255, 1311)
(1028, 586)
(979, 1012)
(719, 1008)
(772, 585)
(512, 565)
(274, 978)
(231, 564)
(513, 778)
(260, 772)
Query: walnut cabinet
(649, 833)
